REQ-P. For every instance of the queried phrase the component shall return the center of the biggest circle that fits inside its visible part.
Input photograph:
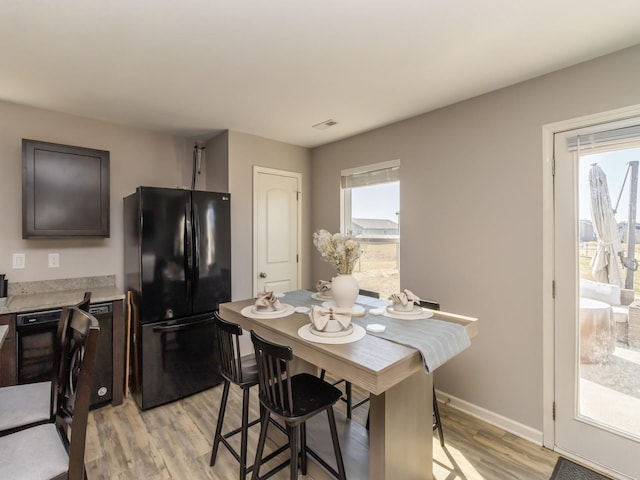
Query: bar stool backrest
(369, 293)
(429, 304)
(227, 338)
(61, 334)
(273, 375)
(75, 379)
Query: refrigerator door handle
(180, 327)
(196, 249)
(188, 249)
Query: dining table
(397, 375)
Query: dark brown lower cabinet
(8, 367)
(8, 354)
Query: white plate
(357, 334)
(356, 310)
(249, 312)
(261, 311)
(321, 297)
(409, 317)
(302, 309)
(416, 311)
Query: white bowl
(400, 307)
(333, 326)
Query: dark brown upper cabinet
(65, 191)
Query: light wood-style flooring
(174, 442)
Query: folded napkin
(322, 317)
(323, 286)
(267, 301)
(404, 299)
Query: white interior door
(276, 230)
(586, 406)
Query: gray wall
(240, 152)
(476, 166)
(138, 157)
(217, 163)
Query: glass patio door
(597, 326)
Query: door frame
(283, 173)
(548, 254)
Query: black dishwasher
(35, 337)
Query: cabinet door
(8, 370)
(165, 248)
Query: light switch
(54, 260)
(19, 260)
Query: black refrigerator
(177, 271)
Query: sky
(614, 165)
(376, 201)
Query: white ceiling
(274, 68)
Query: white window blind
(381, 173)
(604, 137)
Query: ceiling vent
(326, 124)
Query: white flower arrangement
(341, 251)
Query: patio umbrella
(604, 264)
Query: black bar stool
(241, 371)
(31, 404)
(293, 399)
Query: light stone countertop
(32, 296)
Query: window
(371, 211)
(609, 161)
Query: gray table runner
(438, 341)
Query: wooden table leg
(401, 430)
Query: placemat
(320, 297)
(418, 313)
(357, 334)
(285, 312)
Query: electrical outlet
(19, 260)
(54, 260)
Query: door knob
(263, 275)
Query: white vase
(344, 289)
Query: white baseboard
(485, 415)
